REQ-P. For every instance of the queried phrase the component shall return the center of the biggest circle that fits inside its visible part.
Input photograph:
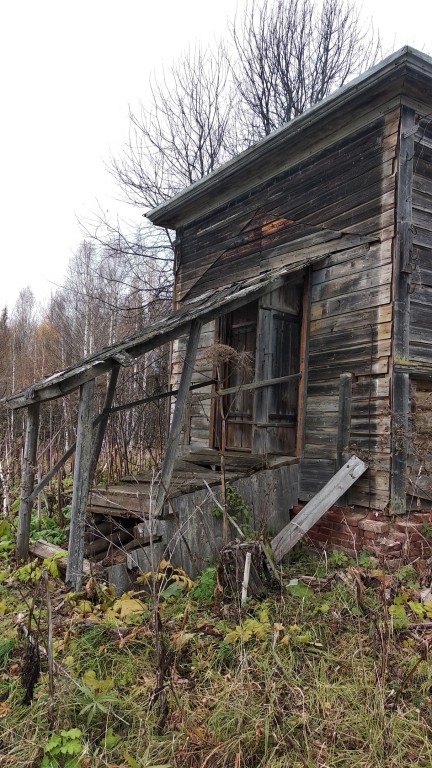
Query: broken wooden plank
(44, 551)
(316, 507)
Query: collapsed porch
(186, 321)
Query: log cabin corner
(300, 336)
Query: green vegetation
(330, 671)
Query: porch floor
(131, 497)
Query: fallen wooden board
(316, 507)
(44, 550)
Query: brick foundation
(393, 540)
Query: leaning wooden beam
(321, 503)
(104, 416)
(160, 396)
(81, 480)
(177, 419)
(45, 480)
(27, 480)
(249, 387)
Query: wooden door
(240, 334)
(275, 423)
(278, 354)
(266, 334)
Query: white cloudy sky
(69, 72)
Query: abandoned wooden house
(301, 336)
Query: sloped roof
(405, 74)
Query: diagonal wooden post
(27, 481)
(103, 420)
(316, 507)
(177, 419)
(81, 481)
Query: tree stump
(263, 576)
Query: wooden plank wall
(351, 331)
(348, 187)
(421, 260)
(419, 479)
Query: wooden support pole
(177, 419)
(104, 416)
(401, 316)
(74, 573)
(27, 481)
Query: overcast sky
(69, 72)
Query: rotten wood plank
(44, 550)
(321, 503)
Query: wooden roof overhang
(177, 323)
(405, 77)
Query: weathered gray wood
(262, 372)
(401, 322)
(104, 416)
(160, 396)
(249, 387)
(27, 481)
(74, 573)
(177, 419)
(344, 418)
(43, 550)
(321, 503)
(45, 480)
(399, 448)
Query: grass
(309, 678)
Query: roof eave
(394, 68)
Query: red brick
(408, 527)
(371, 535)
(323, 530)
(334, 517)
(390, 545)
(422, 517)
(377, 526)
(316, 536)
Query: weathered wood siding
(419, 469)
(421, 261)
(339, 202)
(348, 187)
(351, 331)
